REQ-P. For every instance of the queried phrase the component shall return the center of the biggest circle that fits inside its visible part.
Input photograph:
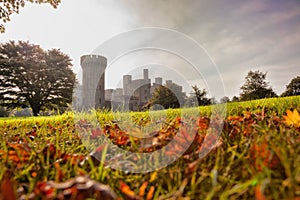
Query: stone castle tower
(93, 80)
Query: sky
(210, 43)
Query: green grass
(236, 169)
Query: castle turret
(169, 82)
(146, 74)
(93, 75)
(126, 84)
(158, 80)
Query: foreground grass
(257, 156)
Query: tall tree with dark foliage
(293, 88)
(256, 87)
(201, 96)
(166, 97)
(33, 77)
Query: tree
(293, 88)
(235, 99)
(201, 96)
(167, 98)
(256, 87)
(8, 7)
(3, 111)
(224, 99)
(33, 77)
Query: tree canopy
(235, 99)
(293, 88)
(224, 99)
(166, 98)
(201, 96)
(256, 86)
(8, 7)
(33, 77)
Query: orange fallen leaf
(235, 118)
(258, 193)
(150, 193)
(17, 153)
(125, 189)
(59, 175)
(263, 157)
(34, 174)
(203, 123)
(142, 189)
(292, 118)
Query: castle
(133, 96)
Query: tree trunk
(35, 108)
(35, 112)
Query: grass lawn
(244, 150)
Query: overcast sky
(236, 35)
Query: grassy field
(255, 155)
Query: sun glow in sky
(238, 35)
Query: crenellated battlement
(91, 60)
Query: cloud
(239, 35)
